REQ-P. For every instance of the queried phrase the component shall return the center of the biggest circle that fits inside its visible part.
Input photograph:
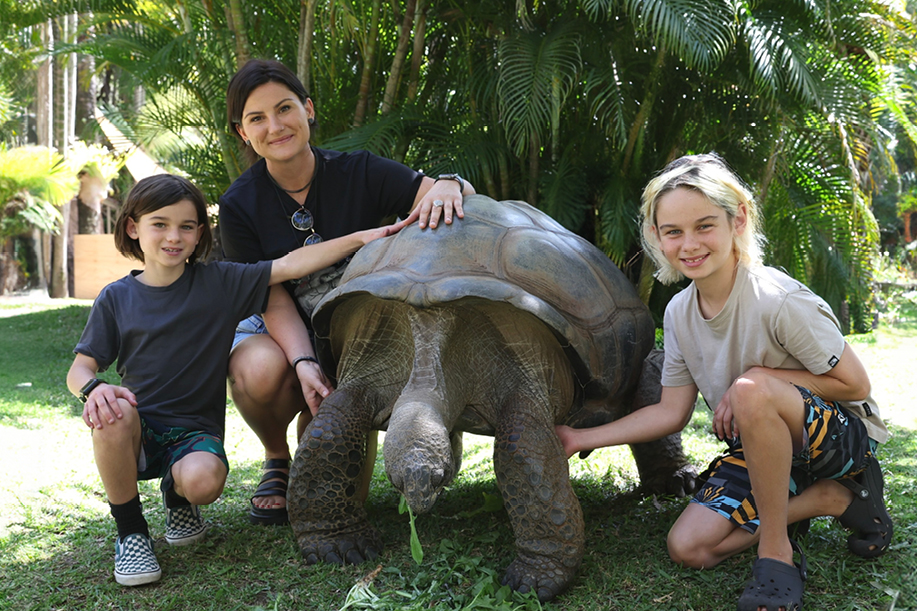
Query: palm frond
(380, 136)
(564, 192)
(618, 209)
(536, 73)
(699, 32)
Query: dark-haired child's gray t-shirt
(172, 342)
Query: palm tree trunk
(230, 158)
(769, 171)
(369, 61)
(45, 94)
(45, 131)
(534, 156)
(401, 51)
(646, 106)
(505, 182)
(59, 257)
(60, 140)
(420, 28)
(36, 244)
(237, 25)
(304, 49)
(93, 189)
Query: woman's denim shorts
(253, 325)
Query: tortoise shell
(510, 252)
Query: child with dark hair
(789, 395)
(170, 328)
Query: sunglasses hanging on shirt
(302, 221)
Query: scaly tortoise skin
(501, 324)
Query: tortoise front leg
(547, 520)
(324, 499)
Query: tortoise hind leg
(324, 498)
(546, 517)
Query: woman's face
(276, 122)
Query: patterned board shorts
(162, 446)
(837, 447)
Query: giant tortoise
(501, 324)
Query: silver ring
(437, 203)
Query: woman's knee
(257, 370)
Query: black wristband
(455, 177)
(300, 359)
(88, 387)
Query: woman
(295, 194)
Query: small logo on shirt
(867, 409)
(833, 361)
(842, 417)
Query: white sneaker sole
(188, 540)
(138, 579)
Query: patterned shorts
(162, 446)
(835, 446)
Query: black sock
(129, 518)
(174, 500)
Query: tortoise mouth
(420, 479)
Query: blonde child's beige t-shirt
(769, 320)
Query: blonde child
(788, 393)
(170, 328)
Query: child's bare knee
(683, 554)
(200, 481)
(205, 491)
(122, 431)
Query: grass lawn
(56, 535)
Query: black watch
(88, 387)
(456, 178)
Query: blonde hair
(709, 175)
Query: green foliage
(907, 202)
(416, 547)
(571, 106)
(457, 578)
(34, 182)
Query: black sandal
(273, 483)
(775, 584)
(866, 515)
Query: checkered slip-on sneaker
(184, 525)
(135, 562)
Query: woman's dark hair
(153, 193)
